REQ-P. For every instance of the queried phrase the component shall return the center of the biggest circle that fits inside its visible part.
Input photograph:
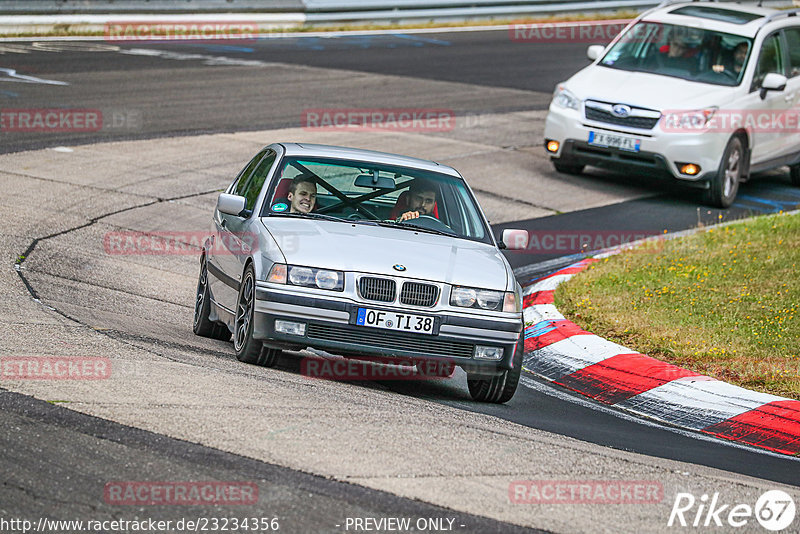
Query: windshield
(682, 52)
(370, 193)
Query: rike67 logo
(774, 510)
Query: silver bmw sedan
(364, 255)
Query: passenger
(678, 54)
(421, 200)
(302, 194)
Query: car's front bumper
(331, 326)
(659, 152)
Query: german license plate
(404, 322)
(614, 141)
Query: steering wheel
(430, 222)
(356, 216)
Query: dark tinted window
(770, 59)
(256, 180)
(793, 42)
(245, 173)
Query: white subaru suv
(705, 93)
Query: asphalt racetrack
(178, 122)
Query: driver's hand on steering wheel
(408, 215)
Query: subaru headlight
(484, 299)
(687, 120)
(564, 98)
(307, 277)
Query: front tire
(202, 326)
(725, 183)
(498, 389)
(248, 350)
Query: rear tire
(725, 183)
(498, 389)
(202, 308)
(248, 350)
(565, 167)
(794, 173)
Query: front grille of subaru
(644, 119)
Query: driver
(421, 200)
(302, 194)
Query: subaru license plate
(614, 141)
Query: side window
(770, 59)
(256, 180)
(793, 43)
(241, 184)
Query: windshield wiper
(415, 228)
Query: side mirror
(772, 82)
(595, 51)
(230, 204)
(514, 239)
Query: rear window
(716, 13)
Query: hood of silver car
(375, 249)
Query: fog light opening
(552, 146)
(483, 352)
(690, 169)
(290, 327)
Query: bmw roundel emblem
(621, 110)
(398, 267)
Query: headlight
(688, 120)
(564, 98)
(306, 277)
(484, 299)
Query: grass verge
(723, 302)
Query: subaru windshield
(372, 193)
(692, 54)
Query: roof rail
(783, 13)
(666, 3)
